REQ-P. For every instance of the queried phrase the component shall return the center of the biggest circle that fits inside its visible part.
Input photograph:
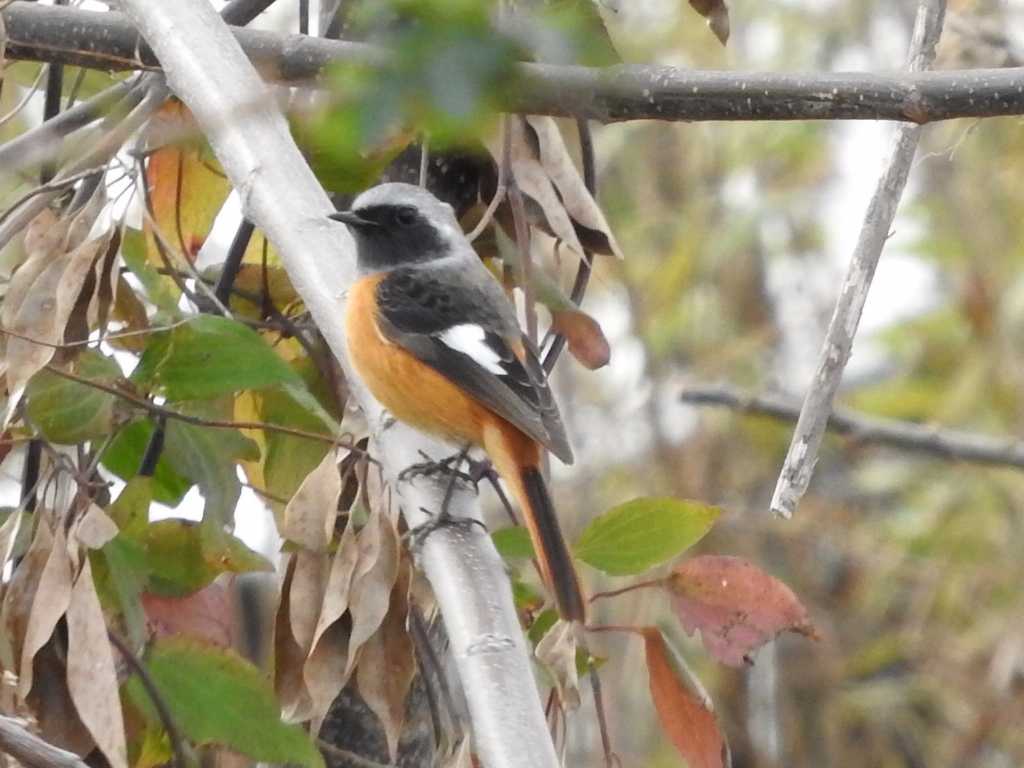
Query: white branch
(28, 749)
(207, 70)
(810, 428)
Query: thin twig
(515, 197)
(869, 430)
(26, 97)
(160, 410)
(502, 186)
(233, 261)
(51, 106)
(796, 472)
(30, 750)
(628, 588)
(155, 697)
(107, 338)
(610, 758)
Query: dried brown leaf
(288, 656)
(684, 709)
(387, 663)
(573, 195)
(717, 14)
(309, 516)
(21, 591)
(374, 577)
(309, 581)
(44, 312)
(556, 651)
(93, 529)
(52, 597)
(324, 670)
(92, 676)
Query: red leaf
(736, 606)
(206, 614)
(684, 709)
(587, 341)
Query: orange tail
(517, 459)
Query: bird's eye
(405, 216)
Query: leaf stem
(630, 588)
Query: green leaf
(130, 510)
(210, 357)
(183, 557)
(160, 289)
(208, 456)
(513, 543)
(643, 533)
(120, 571)
(67, 412)
(124, 455)
(216, 697)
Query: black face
(393, 235)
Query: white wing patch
(469, 339)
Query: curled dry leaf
(374, 576)
(387, 663)
(684, 708)
(556, 651)
(92, 676)
(21, 590)
(309, 581)
(589, 224)
(206, 614)
(309, 516)
(736, 606)
(288, 656)
(324, 670)
(52, 598)
(717, 14)
(48, 297)
(93, 529)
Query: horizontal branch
(920, 438)
(627, 92)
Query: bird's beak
(351, 218)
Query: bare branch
(920, 438)
(810, 428)
(28, 749)
(209, 71)
(625, 92)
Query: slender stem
(30, 750)
(630, 588)
(51, 105)
(170, 726)
(515, 196)
(502, 186)
(602, 720)
(233, 261)
(154, 448)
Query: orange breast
(410, 390)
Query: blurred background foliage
(735, 237)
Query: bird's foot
(444, 519)
(448, 467)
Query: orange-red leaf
(684, 709)
(587, 341)
(736, 606)
(206, 614)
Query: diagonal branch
(810, 428)
(209, 72)
(29, 750)
(944, 443)
(625, 92)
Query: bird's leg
(444, 518)
(448, 466)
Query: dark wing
(463, 336)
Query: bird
(437, 342)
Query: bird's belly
(410, 390)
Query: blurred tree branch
(795, 475)
(921, 438)
(628, 92)
(28, 749)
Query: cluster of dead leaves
(57, 658)
(344, 599)
(66, 286)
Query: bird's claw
(439, 521)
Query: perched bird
(433, 336)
